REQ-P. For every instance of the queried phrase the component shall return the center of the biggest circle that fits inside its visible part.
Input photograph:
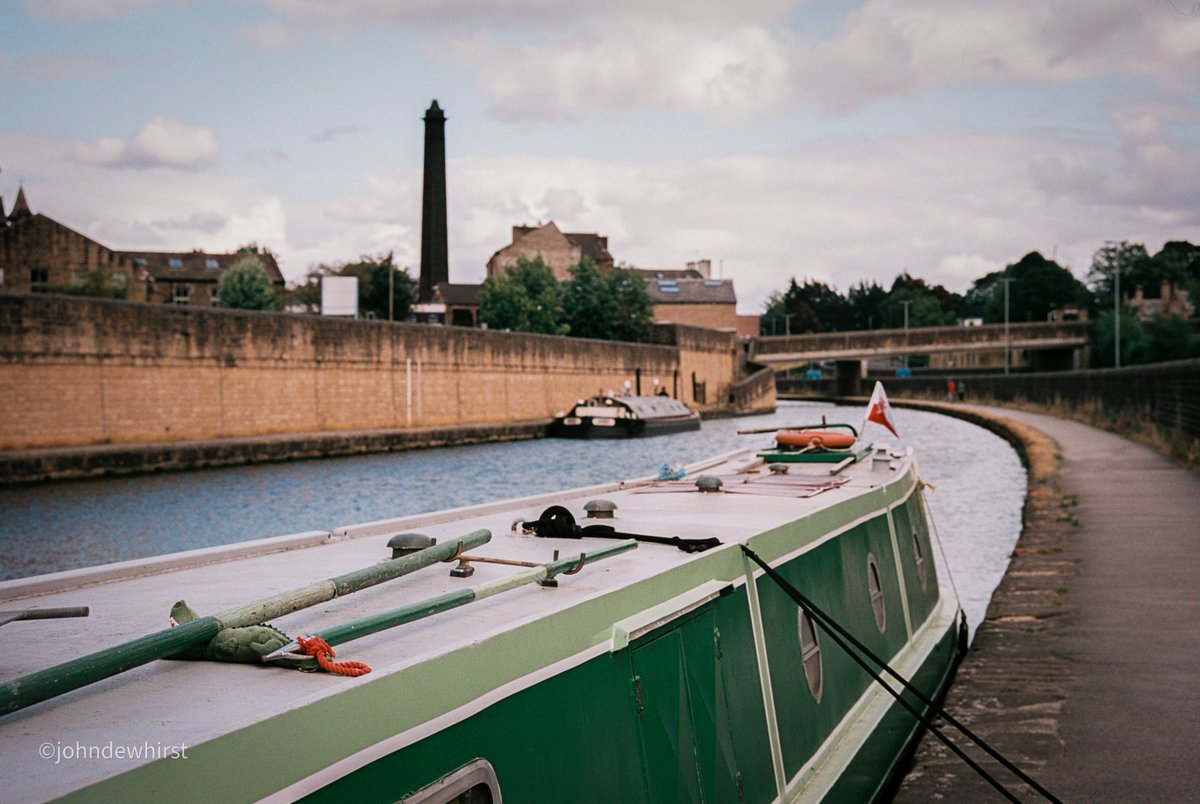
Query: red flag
(879, 411)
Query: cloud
(561, 60)
(144, 209)
(335, 133)
(51, 68)
(262, 156)
(84, 10)
(205, 222)
(572, 57)
(268, 35)
(1153, 168)
(340, 15)
(726, 74)
(162, 142)
(891, 47)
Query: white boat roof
(643, 407)
(170, 703)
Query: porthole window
(876, 593)
(810, 651)
(922, 578)
(473, 783)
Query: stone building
(1171, 301)
(692, 296)
(559, 250)
(40, 255)
(453, 304)
(688, 295)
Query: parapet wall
(1163, 395)
(77, 372)
(1158, 403)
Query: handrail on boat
(374, 623)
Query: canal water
(976, 506)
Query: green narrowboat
(618, 643)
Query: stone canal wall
(76, 372)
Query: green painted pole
(322, 591)
(54, 681)
(374, 623)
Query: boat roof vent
(404, 543)
(708, 483)
(600, 509)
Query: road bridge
(1049, 345)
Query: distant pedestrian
(962, 390)
(950, 391)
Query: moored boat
(667, 666)
(624, 417)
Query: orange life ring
(829, 439)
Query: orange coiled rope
(317, 647)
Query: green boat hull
(687, 687)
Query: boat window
(473, 783)
(810, 651)
(876, 592)
(611, 413)
(920, 558)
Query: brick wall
(713, 316)
(77, 371)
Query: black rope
(558, 522)
(837, 632)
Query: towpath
(1086, 671)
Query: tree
(866, 302)
(608, 304)
(1038, 286)
(525, 298)
(246, 286)
(1168, 337)
(1133, 340)
(1122, 258)
(96, 282)
(373, 285)
(929, 305)
(1176, 264)
(808, 307)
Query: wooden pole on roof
(54, 681)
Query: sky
(837, 141)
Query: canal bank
(73, 463)
(1082, 671)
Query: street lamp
(1117, 313)
(1006, 282)
(906, 304)
(1114, 250)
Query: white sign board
(339, 295)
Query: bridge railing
(918, 336)
(1157, 403)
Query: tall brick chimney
(435, 261)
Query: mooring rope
(937, 537)
(317, 647)
(841, 636)
(558, 522)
